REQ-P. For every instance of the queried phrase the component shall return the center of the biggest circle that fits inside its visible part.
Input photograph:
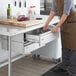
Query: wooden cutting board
(14, 22)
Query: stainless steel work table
(10, 31)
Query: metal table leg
(9, 59)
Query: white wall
(74, 1)
(3, 6)
(35, 3)
(15, 9)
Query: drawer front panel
(31, 47)
(17, 47)
(48, 38)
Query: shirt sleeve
(53, 8)
(67, 6)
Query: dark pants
(69, 60)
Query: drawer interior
(38, 31)
(26, 43)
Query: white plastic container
(31, 12)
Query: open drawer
(30, 46)
(40, 36)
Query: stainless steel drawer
(40, 36)
(30, 46)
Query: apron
(68, 29)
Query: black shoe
(58, 69)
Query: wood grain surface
(28, 67)
(14, 22)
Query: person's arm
(52, 14)
(66, 11)
(62, 20)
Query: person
(65, 9)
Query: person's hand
(45, 27)
(55, 29)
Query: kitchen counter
(14, 27)
(27, 23)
